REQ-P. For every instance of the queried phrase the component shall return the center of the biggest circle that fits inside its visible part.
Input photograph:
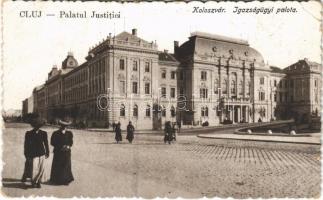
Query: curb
(228, 138)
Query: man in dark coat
(36, 150)
(62, 141)
(168, 132)
(130, 132)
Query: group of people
(130, 132)
(170, 130)
(36, 150)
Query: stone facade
(209, 78)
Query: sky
(32, 46)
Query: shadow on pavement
(13, 183)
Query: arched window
(173, 111)
(163, 111)
(224, 86)
(240, 87)
(135, 111)
(122, 110)
(204, 111)
(216, 86)
(148, 111)
(233, 87)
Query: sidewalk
(188, 130)
(314, 138)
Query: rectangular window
(172, 75)
(121, 63)
(203, 93)
(148, 111)
(135, 66)
(261, 96)
(291, 83)
(172, 92)
(134, 87)
(147, 66)
(163, 91)
(262, 80)
(163, 74)
(275, 83)
(147, 88)
(275, 97)
(203, 75)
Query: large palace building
(208, 78)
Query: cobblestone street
(192, 167)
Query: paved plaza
(192, 167)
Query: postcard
(155, 99)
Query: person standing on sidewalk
(118, 136)
(130, 132)
(36, 150)
(62, 141)
(168, 132)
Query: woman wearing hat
(62, 141)
(36, 151)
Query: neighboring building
(24, 110)
(40, 105)
(209, 78)
(303, 93)
(226, 79)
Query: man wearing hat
(62, 141)
(36, 151)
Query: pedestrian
(168, 132)
(130, 132)
(113, 126)
(62, 141)
(174, 131)
(36, 150)
(118, 136)
(179, 126)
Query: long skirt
(130, 136)
(118, 136)
(35, 169)
(61, 173)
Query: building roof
(275, 69)
(130, 37)
(219, 37)
(303, 66)
(39, 87)
(165, 56)
(209, 46)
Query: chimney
(176, 44)
(134, 32)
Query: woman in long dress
(36, 150)
(118, 135)
(62, 141)
(130, 132)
